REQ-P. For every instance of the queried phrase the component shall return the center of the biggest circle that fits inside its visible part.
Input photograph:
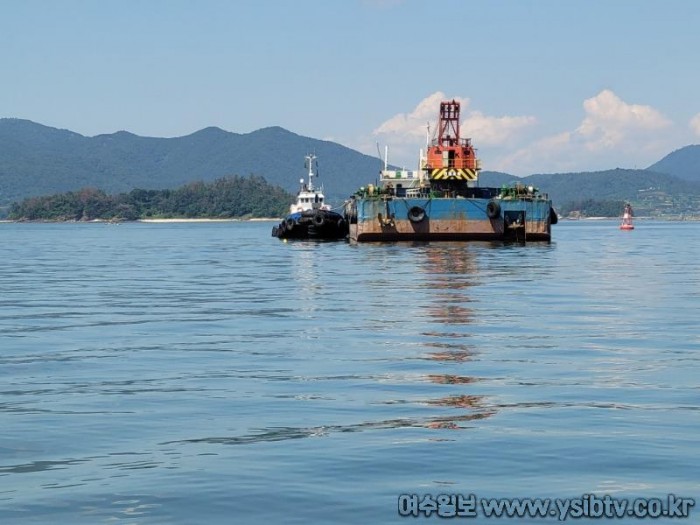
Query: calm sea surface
(211, 374)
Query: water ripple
(131, 356)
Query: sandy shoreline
(267, 219)
(151, 221)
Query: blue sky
(546, 86)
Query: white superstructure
(309, 197)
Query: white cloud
(695, 124)
(548, 151)
(413, 125)
(610, 122)
(489, 131)
(406, 132)
(613, 133)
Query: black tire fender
(319, 219)
(289, 223)
(493, 210)
(553, 217)
(416, 214)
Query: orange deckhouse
(449, 156)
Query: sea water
(212, 374)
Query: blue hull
(393, 219)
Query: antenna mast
(310, 160)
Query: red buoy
(627, 218)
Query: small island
(233, 197)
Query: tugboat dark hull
(312, 224)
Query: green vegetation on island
(593, 208)
(603, 193)
(229, 197)
(39, 160)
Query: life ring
(319, 219)
(493, 209)
(290, 223)
(416, 214)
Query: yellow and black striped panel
(453, 174)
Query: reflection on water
(449, 272)
(286, 433)
(462, 401)
(304, 272)
(450, 379)
(457, 422)
(451, 313)
(132, 356)
(448, 259)
(459, 354)
(38, 466)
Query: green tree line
(229, 197)
(594, 208)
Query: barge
(442, 201)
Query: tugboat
(627, 215)
(442, 201)
(310, 217)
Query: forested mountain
(496, 179)
(652, 193)
(683, 163)
(38, 160)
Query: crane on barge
(451, 162)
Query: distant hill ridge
(683, 163)
(40, 160)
